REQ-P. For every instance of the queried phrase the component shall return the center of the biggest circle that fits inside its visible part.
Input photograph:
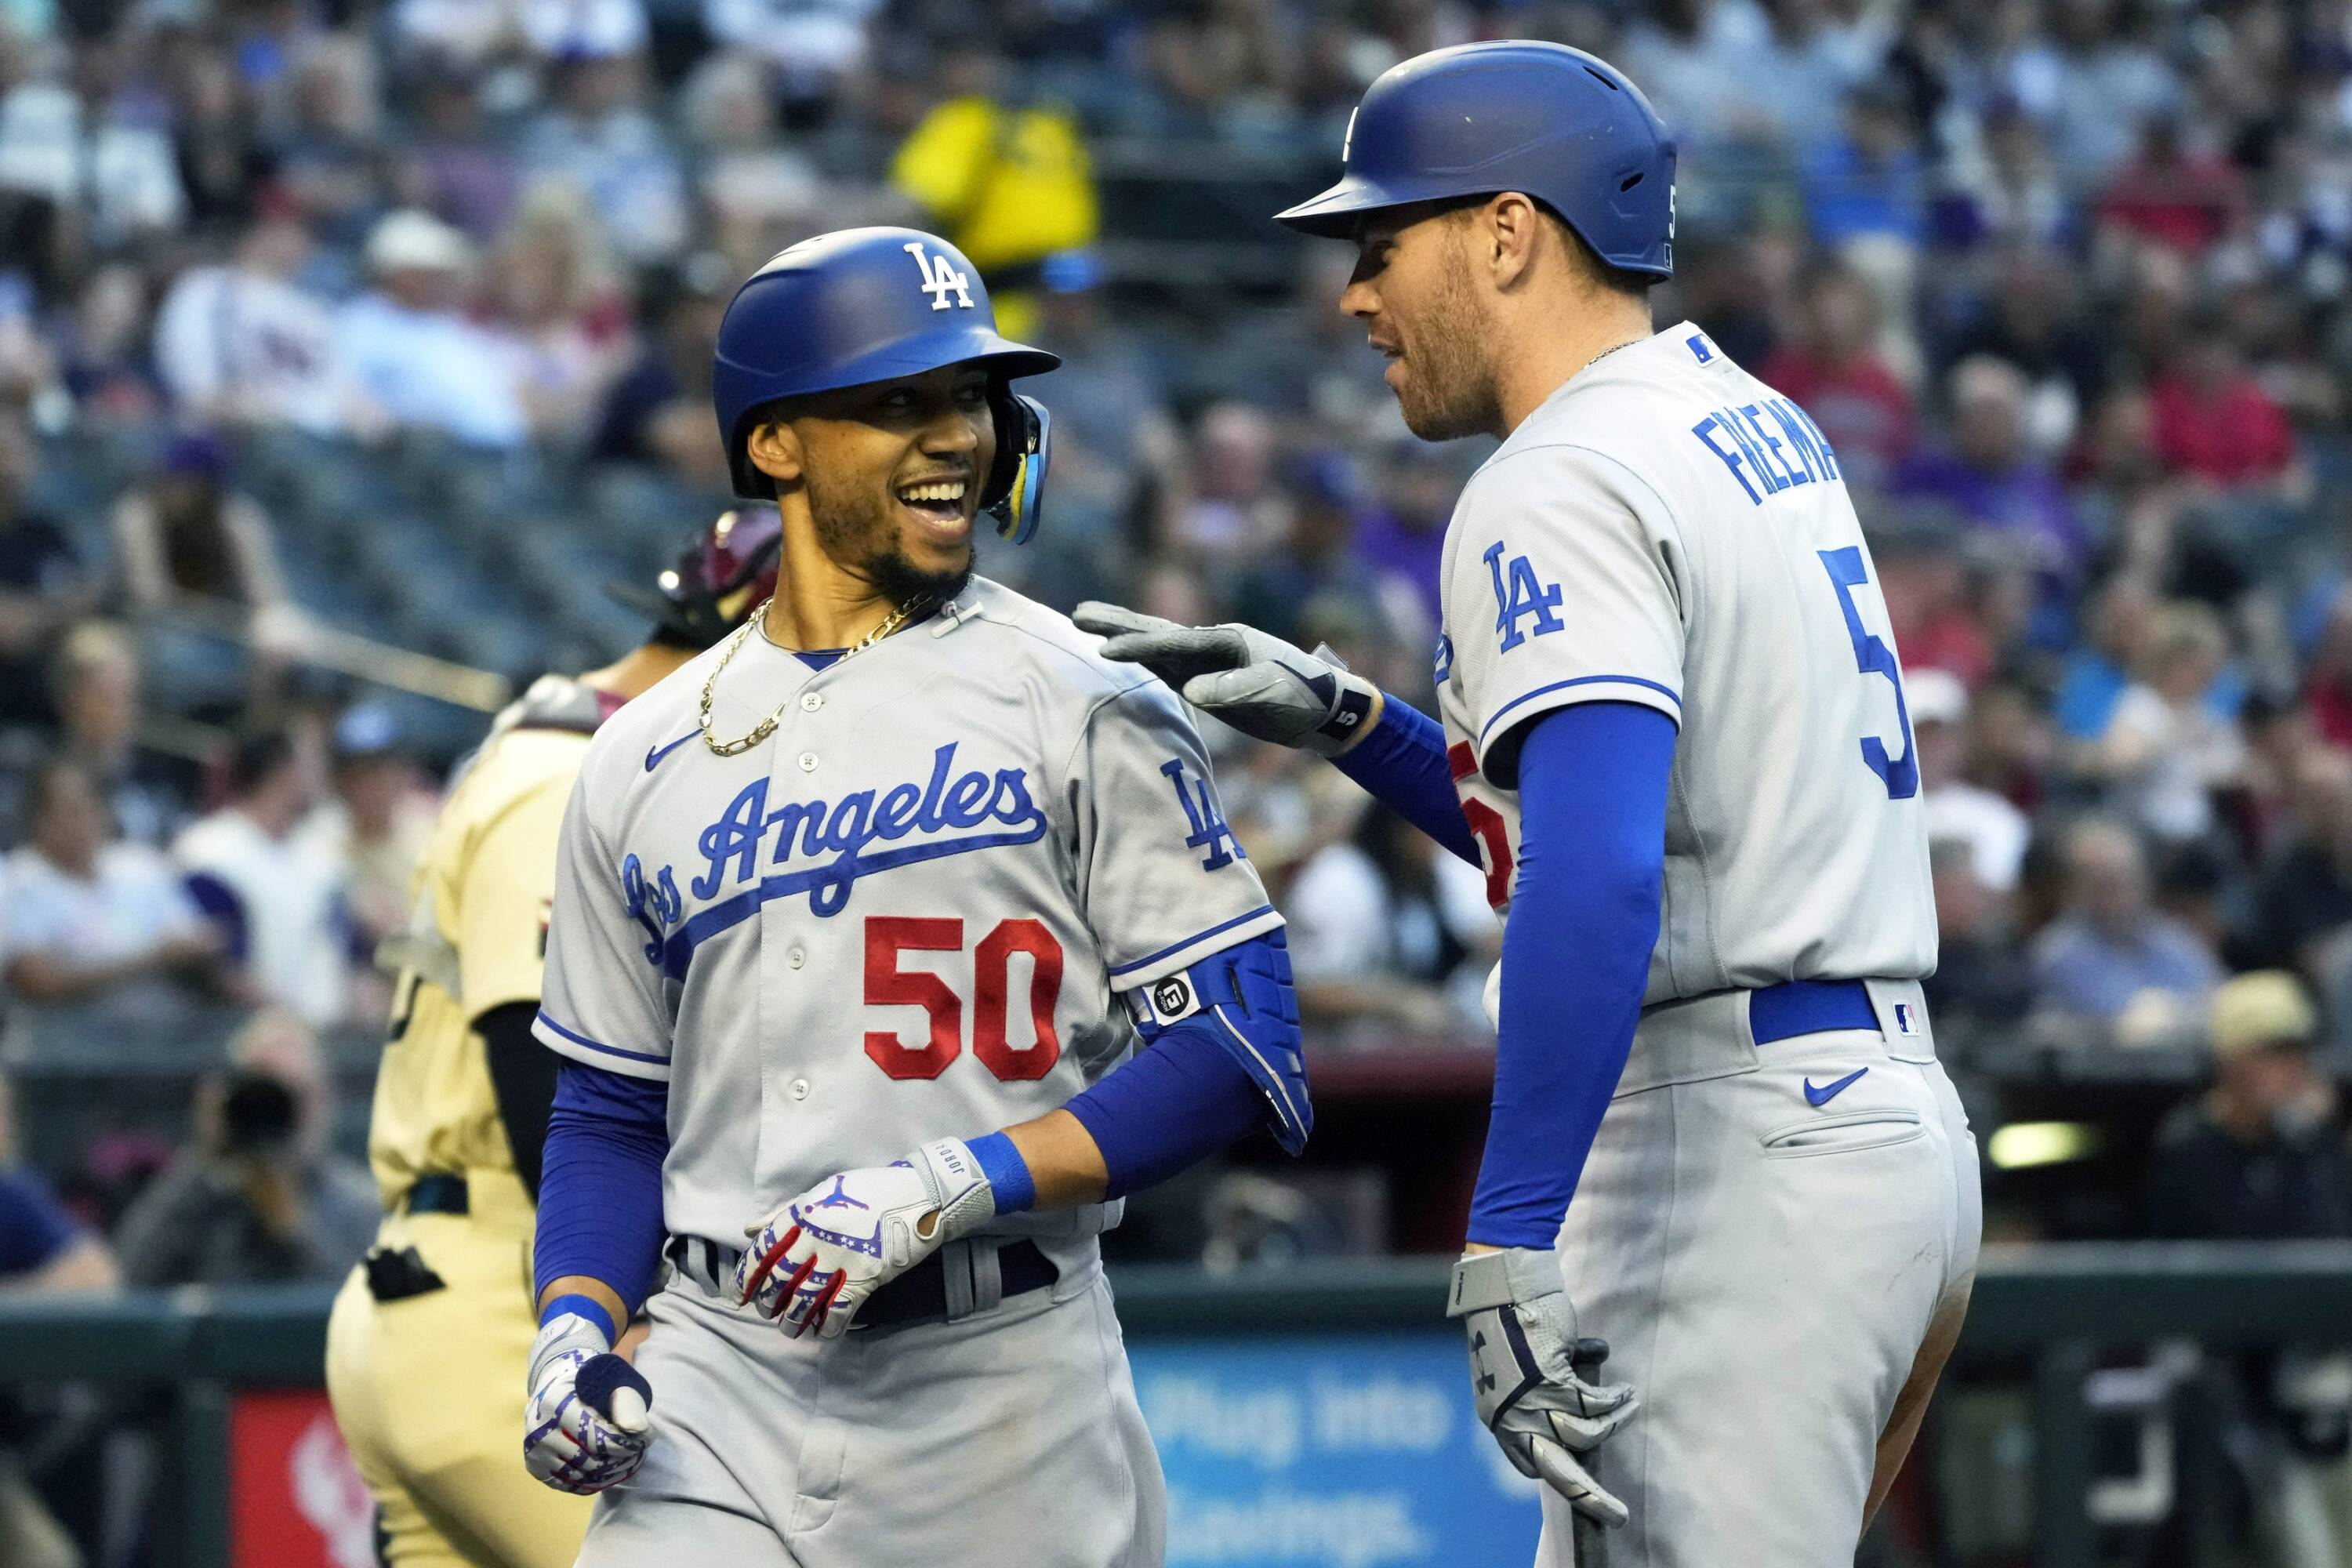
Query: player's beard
(861, 534)
(1449, 391)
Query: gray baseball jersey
(1666, 530)
(907, 914)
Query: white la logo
(939, 279)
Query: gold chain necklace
(767, 726)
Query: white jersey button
(808, 762)
(800, 1088)
(811, 701)
(796, 957)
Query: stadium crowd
(322, 319)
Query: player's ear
(774, 448)
(1510, 227)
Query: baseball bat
(1588, 1536)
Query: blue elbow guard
(1245, 993)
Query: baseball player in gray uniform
(894, 940)
(1674, 736)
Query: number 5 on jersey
(888, 985)
(1873, 657)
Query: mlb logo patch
(1906, 1019)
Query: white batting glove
(589, 1415)
(1256, 682)
(815, 1260)
(1522, 1333)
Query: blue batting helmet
(1543, 119)
(873, 304)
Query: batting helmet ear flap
(1016, 493)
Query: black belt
(917, 1296)
(439, 1192)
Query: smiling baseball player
(1674, 738)
(860, 921)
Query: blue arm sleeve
(600, 1190)
(1402, 763)
(1576, 955)
(1205, 1079)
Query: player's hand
(815, 1261)
(1522, 1333)
(1258, 684)
(589, 1417)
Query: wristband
(586, 1307)
(1009, 1180)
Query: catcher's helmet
(871, 304)
(1471, 120)
(726, 573)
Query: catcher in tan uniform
(428, 1338)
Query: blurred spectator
(45, 585)
(377, 821)
(1401, 536)
(254, 1200)
(99, 707)
(2111, 962)
(2213, 421)
(93, 148)
(2172, 195)
(1995, 831)
(1980, 984)
(1009, 184)
(1235, 510)
(2259, 1157)
(1990, 474)
(1378, 923)
(1833, 370)
(190, 547)
(558, 319)
(277, 894)
(2304, 895)
(329, 158)
(812, 45)
(1868, 183)
(2166, 750)
(760, 193)
(1925, 582)
(246, 343)
(412, 353)
(89, 917)
(457, 166)
(2117, 621)
(598, 137)
(2093, 82)
(659, 411)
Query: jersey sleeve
(504, 896)
(1566, 588)
(1164, 882)
(603, 1000)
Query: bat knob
(1587, 1356)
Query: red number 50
(887, 985)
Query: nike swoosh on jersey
(1829, 1091)
(658, 753)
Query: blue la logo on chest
(754, 848)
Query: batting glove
(589, 1417)
(815, 1261)
(1522, 1333)
(1258, 684)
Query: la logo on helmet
(939, 279)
